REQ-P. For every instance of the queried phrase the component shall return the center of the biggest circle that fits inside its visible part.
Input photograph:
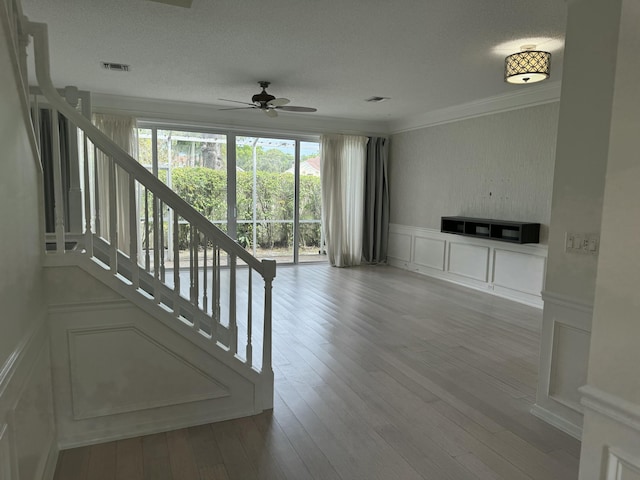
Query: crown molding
(201, 115)
(526, 96)
(210, 116)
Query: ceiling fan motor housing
(263, 97)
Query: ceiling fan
(268, 103)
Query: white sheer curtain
(342, 165)
(122, 130)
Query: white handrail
(41, 47)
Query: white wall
(27, 432)
(497, 166)
(578, 188)
(494, 166)
(611, 440)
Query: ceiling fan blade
(236, 101)
(278, 102)
(271, 112)
(236, 108)
(292, 108)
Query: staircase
(200, 326)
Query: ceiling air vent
(175, 3)
(376, 99)
(116, 67)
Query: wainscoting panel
(564, 357)
(118, 373)
(5, 453)
(400, 246)
(517, 271)
(570, 357)
(471, 261)
(33, 416)
(612, 445)
(621, 466)
(131, 355)
(28, 447)
(429, 252)
(507, 270)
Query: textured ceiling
(330, 54)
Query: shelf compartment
(452, 225)
(477, 229)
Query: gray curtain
(376, 205)
(46, 154)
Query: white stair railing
(210, 288)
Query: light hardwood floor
(380, 374)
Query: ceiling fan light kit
(527, 66)
(268, 103)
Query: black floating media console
(505, 231)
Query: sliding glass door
(310, 236)
(194, 165)
(262, 191)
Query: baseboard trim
(557, 421)
(611, 406)
(451, 278)
(151, 428)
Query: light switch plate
(585, 243)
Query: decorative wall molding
(619, 463)
(611, 406)
(129, 298)
(32, 420)
(6, 460)
(507, 270)
(538, 95)
(84, 408)
(149, 427)
(154, 379)
(558, 421)
(564, 355)
(567, 301)
(195, 115)
(33, 336)
(468, 260)
(569, 343)
(26, 440)
(90, 306)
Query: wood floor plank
(204, 446)
(235, 458)
(155, 454)
(380, 373)
(213, 472)
(129, 459)
(102, 461)
(305, 447)
(181, 458)
(73, 464)
(260, 452)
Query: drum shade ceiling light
(528, 66)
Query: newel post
(267, 369)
